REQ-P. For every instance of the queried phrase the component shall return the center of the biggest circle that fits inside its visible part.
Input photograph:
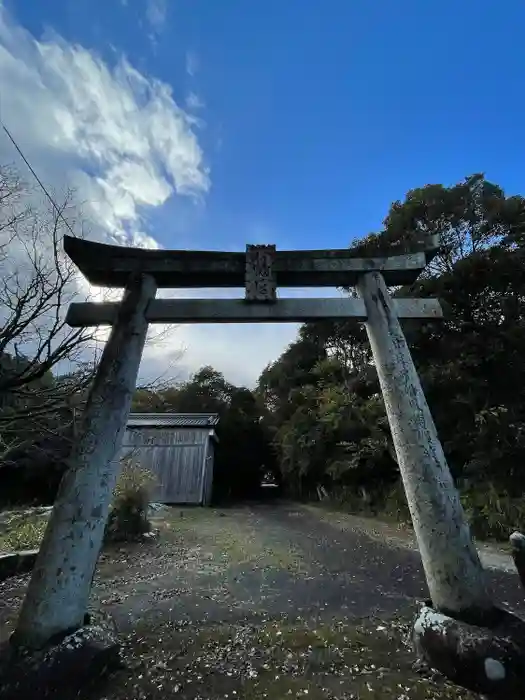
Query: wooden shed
(179, 449)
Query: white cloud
(114, 134)
(123, 142)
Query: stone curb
(17, 563)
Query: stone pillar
(453, 571)
(58, 593)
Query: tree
(322, 395)
(244, 453)
(476, 358)
(290, 371)
(38, 282)
(469, 216)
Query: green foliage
(493, 513)
(128, 518)
(23, 532)
(468, 217)
(324, 409)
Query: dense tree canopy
(322, 394)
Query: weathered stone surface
(111, 266)
(16, 563)
(60, 670)
(58, 592)
(517, 543)
(259, 278)
(487, 660)
(456, 580)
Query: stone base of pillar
(64, 667)
(487, 660)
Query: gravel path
(389, 563)
(269, 601)
(280, 560)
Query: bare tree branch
(37, 348)
(37, 285)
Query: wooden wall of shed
(175, 456)
(208, 484)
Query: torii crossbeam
(260, 270)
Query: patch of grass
(345, 659)
(492, 513)
(377, 527)
(267, 685)
(22, 532)
(230, 541)
(389, 506)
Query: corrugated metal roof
(173, 420)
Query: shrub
(352, 500)
(31, 473)
(492, 513)
(389, 502)
(128, 518)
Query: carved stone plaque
(259, 276)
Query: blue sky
(312, 117)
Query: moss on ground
(227, 539)
(278, 660)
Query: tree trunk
(454, 574)
(58, 593)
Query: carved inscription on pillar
(259, 276)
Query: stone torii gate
(59, 590)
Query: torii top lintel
(111, 266)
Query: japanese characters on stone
(259, 277)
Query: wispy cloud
(194, 102)
(156, 16)
(192, 63)
(157, 12)
(115, 134)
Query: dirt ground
(270, 601)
